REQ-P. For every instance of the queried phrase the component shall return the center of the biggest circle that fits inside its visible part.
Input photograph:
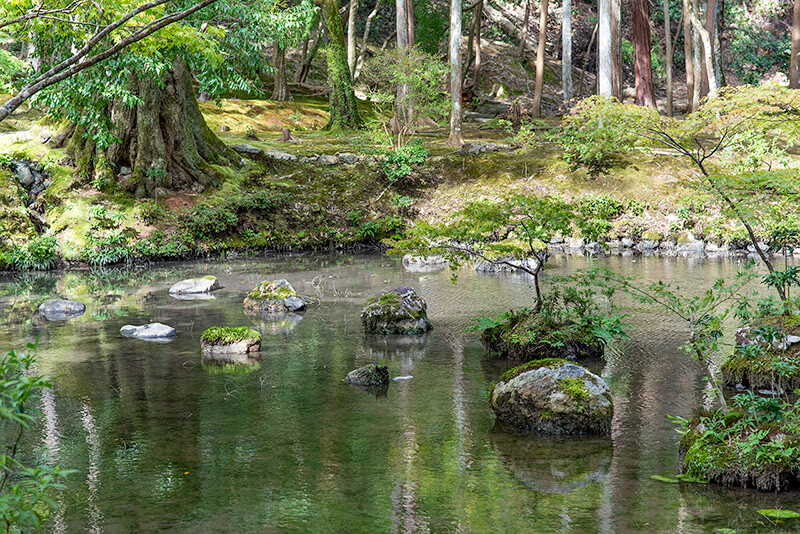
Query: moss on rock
(225, 340)
(399, 311)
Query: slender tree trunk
(643, 70)
(402, 118)
(455, 138)
(476, 71)
(688, 54)
(280, 90)
(411, 23)
(566, 50)
(712, 24)
(794, 64)
(604, 59)
(343, 103)
(363, 53)
(524, 30)
(305, 65)
(586, 57)
(707, 52)
(537, 93)
(616, 49)
(351, 37)
(668, 58)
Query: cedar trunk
(794, 64)
(643, 70)
(164, 140)
(537, 93)
(280, 90)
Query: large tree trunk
(688, 54)
(643, 69)
(164, 140)
(604, 59)
(566, 50)
(455, 138)
(794, 64)
(537, 92)
(343, 103)
(280, 90)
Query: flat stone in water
(194, 286)
(62, 310)
(149, 332)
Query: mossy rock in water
(756, 363)
(276, 297)
(527, 335)
(371, 375)
(554, 397)
(729, 447)
(399, 311)
(223, 340)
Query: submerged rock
(275, 297)
(219, 340)
(371, 375)
(194, 287)
(509, 265)
(553, 397)
(424, 264)
(62, 310)
(149, 332)
(399, 311)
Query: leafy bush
(599, 128)
(402, 160)
(38, 254)
(9, 67)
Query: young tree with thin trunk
(363, 53)
(351, 37)
(524, 30)
(794, 63)
(455, 138)
(643, 71)
(566, 50)
(343, 103)
(537, 93)
(668, 57)
(688, 55)
(616, 49)
(403, 115)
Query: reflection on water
(164, 439)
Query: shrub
(38, 254)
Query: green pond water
(162, 440)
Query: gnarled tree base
(164, 141)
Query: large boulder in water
(194, 288)
(553, 397)
(399, 311)
(62, 310)
(149, 332)
(276, 297)
(371, 375)
(219, 340)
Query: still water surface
(164, 441)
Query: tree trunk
(363, 53)
(794, 64)
(688, 54)
(616, 49)
(604, 60)
(566, 50)
(643, 69)
(707, 51)
(668, 54)
(163, 139)
(411, 22)
(280, 90)
(402, 112)
(343, 103)
(537, 93)
(713, 13)
(302, 71)
(455, 138)
(524, 30)
(351, 37)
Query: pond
(162, 440)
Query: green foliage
(400, 161)
(38, 254)
(774, 513)
(433, 20)
(598, 129)
(756, 49)
(25, 491)
(10, 67)
(382, 228)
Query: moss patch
(574, 387)
(272, 291)
(548, 363)
(225, 335)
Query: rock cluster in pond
(553, 397)
(424, 264)
(219, 340)
(149, 332)
(275, 298)
(506, 265)
(370, 375)
(194, 288)
(62, 310)
(526, 335)
(399, 311)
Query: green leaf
(774, 513)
